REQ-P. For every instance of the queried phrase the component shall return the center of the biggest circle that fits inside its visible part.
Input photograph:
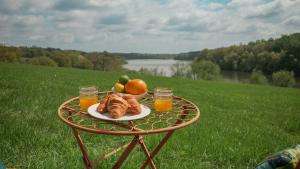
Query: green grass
(240, 124)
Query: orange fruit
(136, 86)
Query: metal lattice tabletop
(183, 113)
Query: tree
(9, 57)
(247, 62)
(283, 78)
(42, 61)
(153, 71)
(207, 70)
(9, 54)
(83, 63)
(231, 61)
(181, 70)
(61, 60)
(258, 77)
(111, 62)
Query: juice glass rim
(163, 91)
(88, 90)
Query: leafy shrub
(258, 77)
(42, 61)
(106, 61)
(283, 78)
(154, 71)
(181, 70)
(207, 70)
(82, 62)
(9, 54)
(9, 57)
(62, 61)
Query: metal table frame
(66, 113)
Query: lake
(165, 66)
(160, 64)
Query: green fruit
(119, 87)
(124, 79)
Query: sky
(144, 26)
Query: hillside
(240, 124)
(61, 58)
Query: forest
(103, 61)
(179, 56)
(267, 56)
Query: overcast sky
(145, 26)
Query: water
(160, 64)
(165, 66)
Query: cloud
(293, 20)
(143, 25)
(72, 5)
(21, 24)
(113, 20)
(23, 6)
(215, 6)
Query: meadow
(240, 124)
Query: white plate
(92, 110)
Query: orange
(136, 86)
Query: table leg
(126, 152)
(146, 151)
(158, 147)
(85, 157)
(164, 140)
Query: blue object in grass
(286, 159)
(1, 165)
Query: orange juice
(87, 101)
(88, 96)
(163, 105)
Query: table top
(183, 113)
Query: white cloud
(144, 26)
(21, 6)
(293, 20)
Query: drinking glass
(163, 99)
(88, 95)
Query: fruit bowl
(136, 96)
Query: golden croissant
(134, 107)
(118, 106)
(102, 105)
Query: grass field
(240, 124)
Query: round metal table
(183, 113)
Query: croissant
(102, 108)
(117, 106)
(134, 107)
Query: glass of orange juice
(163, 99)
(88, 95)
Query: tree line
(267, 56)
(179, 56)
(63, 58)
(279, 58)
